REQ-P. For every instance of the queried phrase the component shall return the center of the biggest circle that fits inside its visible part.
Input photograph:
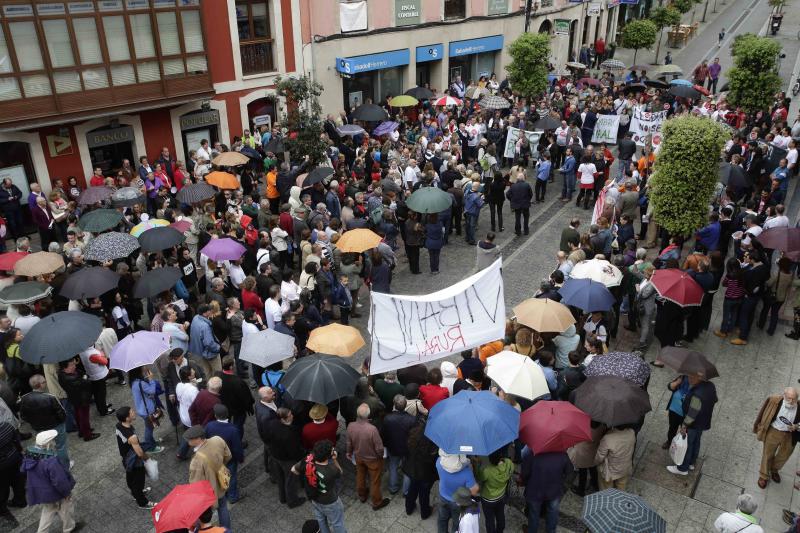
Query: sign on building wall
(431, 52)
(59, 145)
(199, 120)
(109, 136)
(407, 12)
(561, 27)
(593, 10)
(498, 7)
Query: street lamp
(531, 7)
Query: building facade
(87, 84)
(366, 50)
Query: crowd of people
(292, 278)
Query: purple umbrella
(138, 349)
(221, 249)
(385, 127)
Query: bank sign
(431, 52)
(407, 12)
(476, 46)
(366, 63)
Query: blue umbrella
(586, 294)
(473, 423)
(681, 82)
(385, 127)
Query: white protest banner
(514, 135)
(605, 129)
(646, 124)
(407, 330)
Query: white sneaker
(672, 469)
(71, 464)
(147, 489)
(691, 467)
(157, 449)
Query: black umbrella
(634, 88)
(547, 123)
(196, 192)
(420, 93)
(732, 176)
(100, 220)
(612, 400)
(156, 281)
(275, 145)
(161, 238)
(25, 292)
(126, 197)
(59, 337)
(318, 175)
(89, 283)
(687, 361)
(320, 378)
(110, 246)
(252, 153)
(658, 84)
(92, 195)
(370, 113)
(684, 91)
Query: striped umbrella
(612, 64)
(620, 512)
(447, 101)
(494, 102)
(141, 227)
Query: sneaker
(691, 467)
(720, 334)
(71, 464)
(157, 449)
(672, 469)
(148, 505)
(147, 489)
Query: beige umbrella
(544, 315)
(335, 339)
(358, 240)
(230, 159)
(38, 264)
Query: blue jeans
(471, 226)
(692, 448)
(534, 511)
(329, 516)
(233, 488)
(568, 189)
(183, 449)
(69, 421)
(223, 513)
(61, 445)
(149, 441)
(433, 258)
(394, 473)
(448, 512)
(623, 167)
(730, 312)
(746, 315)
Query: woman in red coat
(250, 298)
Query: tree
(685, 173)
(638, 34)
(682, 5)
(527, 72)
(664, 17)
(304, 118)
(753, 80)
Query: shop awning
(366, 63)
(476, 46)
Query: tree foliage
(683, 6)
(664, 17)
(527, 70)
(753, 79)
(685, 173)
(639, 34)
(304, 118)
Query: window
(255, 41)
(85, 31)
(455, 9)
(192, 32)
(5, 59)
(142, 33)
(116, 38)
(26, 44)
(58, 43)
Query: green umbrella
(100, 220)
(24, 293)
(429, 200)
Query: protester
(208, 463)
(49, 483)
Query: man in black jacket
(235, 394)
(266, 412)
(43, 411)
(177, 360)
(287, 177)
(627, 149)
(285, 449)
(394, 433)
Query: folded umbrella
(59, 337)
(93, 195)
(544, 315)
(385, 128)
(598, 270)
(275, 146)
(230, 159)
(677, 286)
(612, 400)
(472, 423)
(783, 239)
(420, 93)
(621, 512)
(137, 349)
(110, 246)
(369, 113)
(184, 504)
(9, 259)
(222, 180)
(223, 249)
(494, 102)
(517, 374)
(429, 200)
(689, 362)
(195, 193)
(585, 294)
(358, 240)
(126, 197)
(447, 101)
(628, 366)
(156, 281)
(89, 283)
(266, 347)
(25, 293)
(38, 263)
(335, 339)
(551, 426)
(320, 378)
(161, 238)
(100, 220)
(318, 175)
(141, 227)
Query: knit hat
(43, 438)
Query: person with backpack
(319, 472)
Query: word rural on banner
(407, 330)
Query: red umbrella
(677, 287)
(589, 81)
(702, 90)
(783, 239)
(181, 225)
(551, 426)
(9, 259)
(181, 508)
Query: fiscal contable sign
(513, 136)
(605, 129)
(561, 27)
(408, 330)
(647, 124)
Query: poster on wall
(561, 27)
(355, 98)
(407, 330)
(513, 136)
(605, 129)
(646, 124)
(18, 176)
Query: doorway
(108, 147)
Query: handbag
(677, 448)
(222, 474)
(155, 417)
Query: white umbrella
(598, 270)
(447, 101)
(266, 347)
(517, 374)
